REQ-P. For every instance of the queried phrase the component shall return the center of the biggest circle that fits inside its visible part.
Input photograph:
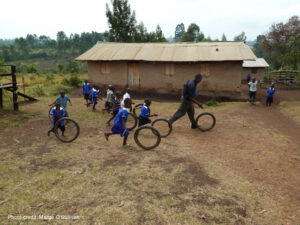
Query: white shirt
(252, 85)
(126, 95)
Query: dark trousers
(252, 95)
(143, 121)
(185, 107)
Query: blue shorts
(119, 130)
(94, 101)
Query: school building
(255, 68)
(165, 67)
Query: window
(170, 69)
(105, 68)
(205, 69)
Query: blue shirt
(123, 113)
(270, 92)
(63, 101)
(145, 112)
(95, 93)
(61, 114)
(86, 88)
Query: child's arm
(52, 103)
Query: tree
(22, 46)
(192, 33)
(159, 35)
(121, 21)
(179, 31)
(240, 37)
(140, 33)
(224, 38)
(292, 58)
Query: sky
(214, 17)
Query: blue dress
(118, 125)
(61, 114)
(95, 93)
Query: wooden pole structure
(15, 87)
(1, 98)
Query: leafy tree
(179, 31)
(159, 35)
(292, 58)
(224, 38)
(192, 33)
(121, 21)
(22, 46)
(240, 37)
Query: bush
(72, 67)
(212, 102)
(39, 91)
(49, 76)
(75, 81)
(55, 89)
(60, 67)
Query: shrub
(55, 89)
(75, 81)
(72, 67)
(49, 76)
(39, 91)
(60, 67)
(212, 102)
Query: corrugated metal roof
(259, 62)
(168, 52)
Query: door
(133, 76)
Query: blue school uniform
(63, 102)
(145, 112)
(270, 92)
(118, 125)
(61, 114)
(95, 93)
(86, 88)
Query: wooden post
(23, 83)
(1, 98)
(15, 88)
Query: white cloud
(214, 17)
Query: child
(252, 90)
(127, 95)
(57, 113)
(109, 97)
(145, 113)
(270, 93)
(116, 106)
(95, 94)
(119, 126)
(86, 87)
(63, 100)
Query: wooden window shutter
(205, 69)
(170, 69)
(105, 67)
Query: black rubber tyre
(132, 121)
(137, 108)
(154, 131)
(211, 125)
(49, 115)
(68, 122)
(169, 125)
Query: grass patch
(291, 109)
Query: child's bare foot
(126, 146)
(106, 136)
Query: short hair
(147, 100)
(198, 75)
(85, 81)
(61, 91)
(128, 89)
(118, 93)
(127, 100)
(57, 103)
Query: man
(187, 100)
(252, 90)
(63, 100)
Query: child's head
(147, 102)
(85, 81)
(62, 93)
(272, 86)
(57, 105)
(96, 87)
(127, 103)
(128, 90)
(198, 78)
(118, 94)
(253, 79)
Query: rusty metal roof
(168, 52)
(259, 62)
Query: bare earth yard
(244, 171)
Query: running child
(120, 121)
(109, 97)
(57, 113)
(270, 94)
(145, 113)
(95, 94)
(125, 96)
(116, 106)
(86, 88)
(63, 100)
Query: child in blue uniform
(119, 126)
(116, 106)
(86, 88)
(57, 113)
(95, 94)
(145, 113)
(270, 93)
(63, 100)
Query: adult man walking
(187, 100)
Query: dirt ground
(244, 171)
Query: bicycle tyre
(138, 106)
(154, 131)
(170, 126)
(213, 121)
(68, 120)
(49, 115)
(134, 123)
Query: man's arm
(69, 101)
(196, 102)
